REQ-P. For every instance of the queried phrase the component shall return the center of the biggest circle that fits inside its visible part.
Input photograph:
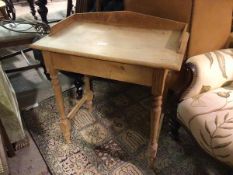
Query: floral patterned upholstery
(206, 108)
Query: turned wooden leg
(81, 6)
(171, 113)
(158, 84)
(174, 127)
(43, 10)
(89, 93)
(86, 99)
(155, 122)
(64, 123)
(78, 83)
(98, 5)
(32, 7)
(69, 7)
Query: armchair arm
(229, 43)
(210, 71)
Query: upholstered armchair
(206, 107)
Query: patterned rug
(113, 139)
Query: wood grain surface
(149, 45)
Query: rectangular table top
(118, 42)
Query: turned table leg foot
(155, 127)
(153, 152)
(66, 129)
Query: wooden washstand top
(123, 37)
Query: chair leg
(78, 83)
(89, 93)
(69, 7)
(43, 10)
(174, 127)
(14, 54)
(32, 7)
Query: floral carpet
(113, 138)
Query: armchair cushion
(209, 117)
(212, 70)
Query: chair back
(209, 20)
(178, 10)
(210, 26)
